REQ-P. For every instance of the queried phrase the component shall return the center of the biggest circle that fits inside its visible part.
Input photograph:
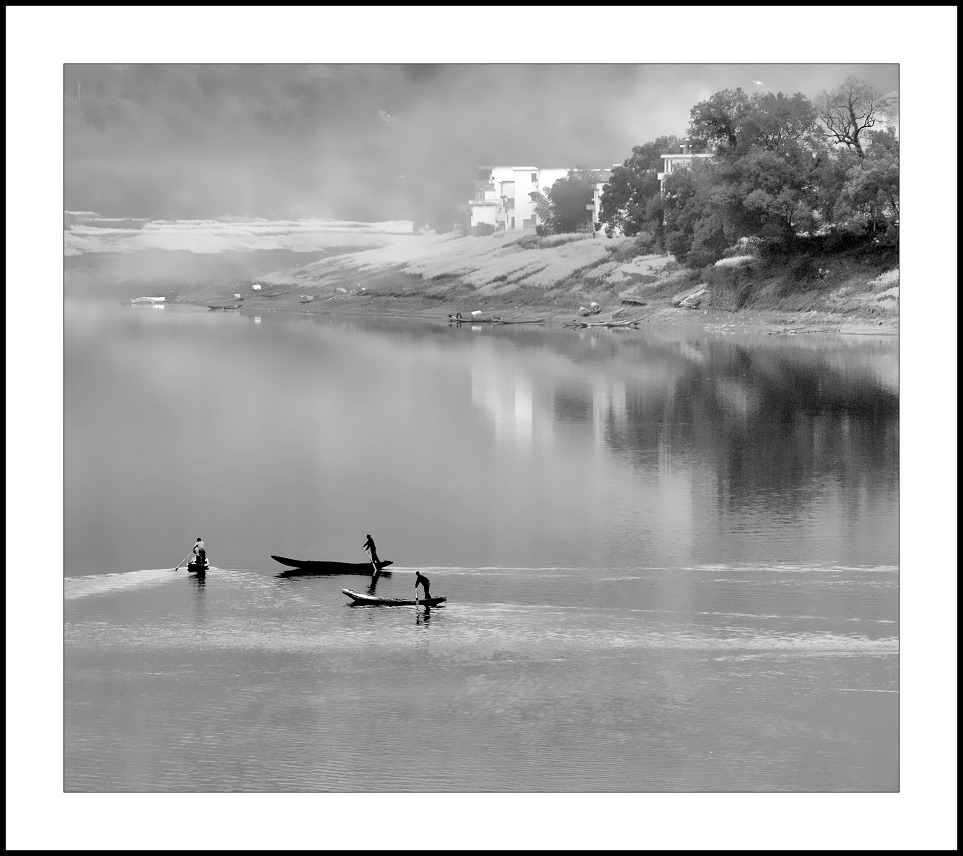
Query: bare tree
(849, 111)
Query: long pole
(181, 562)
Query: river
(670, 557)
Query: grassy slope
(555, 274)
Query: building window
(534, 178)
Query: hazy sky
(370, 141)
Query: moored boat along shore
(511, 278)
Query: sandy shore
(523, 278)
(652, 315)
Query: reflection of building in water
(502, 389)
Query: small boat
(225, 306)
(198, 567)
(458, 318)
(309, 567)
(358, 599)
(627, 323)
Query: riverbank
(526, 277)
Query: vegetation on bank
(568, 270)
(796, 188)
(775, 169)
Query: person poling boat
(424, 582)
(369, 546)
(199, 563)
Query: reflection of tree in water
(776, 425)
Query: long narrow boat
(310, 567)
(627, 323)
(358, 599)
(458, 318)
(494, 319)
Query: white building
(505, 196)
(672, 161)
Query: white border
(40, 40)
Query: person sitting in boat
(424, 582)
(369, 545)
(200, 552)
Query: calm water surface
(670, 557)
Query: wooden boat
(628, 323)
(494, 319)
(458, 318)
(198, 568)
(231, 306)
(358, 599)
(310, 567)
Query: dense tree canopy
(717, 122)
(631, 199)
(731, 123)
(869, 198)
(775, 176)
(562, 207)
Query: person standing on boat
(369, 545)
(424, 582)
(200, 551)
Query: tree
(733, 123)
(869, 200)
(545, 211)
(630, 198)
(717, 122)
(773, 195)
(779, 123)
(687, 203)
(849, 112)
(569, 197)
